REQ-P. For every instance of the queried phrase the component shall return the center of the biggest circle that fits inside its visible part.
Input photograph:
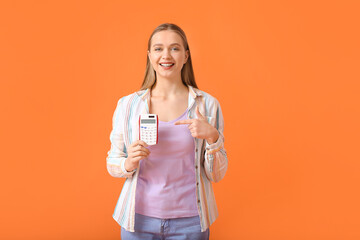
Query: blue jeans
(165, 229)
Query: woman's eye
(160, 48)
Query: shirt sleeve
(116, 156)
(216, 161)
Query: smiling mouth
(166, 64)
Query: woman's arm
(116, 156)
(216, 161)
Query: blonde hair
(187, 73)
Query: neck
(168, 87)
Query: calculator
(148, 132)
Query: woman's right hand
(136, 152)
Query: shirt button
(198, 201)
(196, 150)
(196, 166)
(197, 184)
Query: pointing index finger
(187, 121)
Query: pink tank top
(166, 183)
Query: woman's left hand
(200, 128)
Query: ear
(148, 53)
(186, 55)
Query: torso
(168, 109)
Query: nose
(166, 54)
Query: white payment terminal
(148, 131)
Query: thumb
(198, 114)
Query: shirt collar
(144, 94)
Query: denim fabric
(165, 229)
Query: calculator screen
(148, 121)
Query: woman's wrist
(214, 137)
(128, 166)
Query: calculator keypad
(148, 134)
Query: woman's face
(167, 48)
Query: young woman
(168, 192)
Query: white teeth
(166, 65)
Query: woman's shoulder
(209, 98)
(133, 95)
(124, 100)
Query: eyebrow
(159, 44)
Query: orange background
(286, 74)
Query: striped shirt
(210, 159)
